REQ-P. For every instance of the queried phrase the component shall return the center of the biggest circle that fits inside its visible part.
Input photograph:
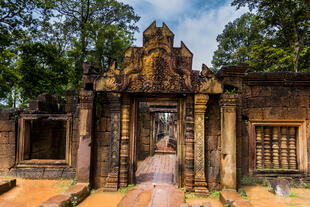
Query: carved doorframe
(181, 111)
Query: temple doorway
(157, 139)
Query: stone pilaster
(85, 131)
(228, 173)
(124, 141)
(189, 144)
(200, 185)
(114, 155)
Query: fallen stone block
(73, 196)
(57, 201)
(78, 192)
(227, 197)
(6, 185)
(281, 187)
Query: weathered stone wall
(213, 132)
(272, 102)
(101, 142)
(144, 131)
(7, 141)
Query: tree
(287, 27)
(97, 25)
(236, 41)
(41, 70)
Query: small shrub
(125, 190)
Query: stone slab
(6, 185)
(57, 201)
(78, 192)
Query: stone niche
(44, 138)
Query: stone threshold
(71, 197)
(6, 185)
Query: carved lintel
(199, 135)
(124, 141)
(115, 107)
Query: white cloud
(199, 34)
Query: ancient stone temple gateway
(221, 126)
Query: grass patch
(242, 193)
(125, 190)
(215, 195)
(292, 195)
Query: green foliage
(242, 193)
(236, 40)
(275, 38)
(231, 91)
(215, 195)
(292, 195)
(41, 70)
(44, 43)
(125, 190)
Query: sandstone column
(228, 175)
(200, 185)
(114, 155)
(85, 130)
(123, 177)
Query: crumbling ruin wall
(144, 131)
(50, 129)
(7, 140)
(101, 142)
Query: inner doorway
(156, 140)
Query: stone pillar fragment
(200, 185)
(114, 155)
(85, 129)
(228, 175)
(124, 141)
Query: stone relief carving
(158, 67)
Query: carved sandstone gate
(162, 72)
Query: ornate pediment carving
(157, 67)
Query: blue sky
(196, 22)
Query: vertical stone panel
(124, 141)
(85, 127)
(199, 134)
(189, 144)
(115, 107)
(228, 141)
